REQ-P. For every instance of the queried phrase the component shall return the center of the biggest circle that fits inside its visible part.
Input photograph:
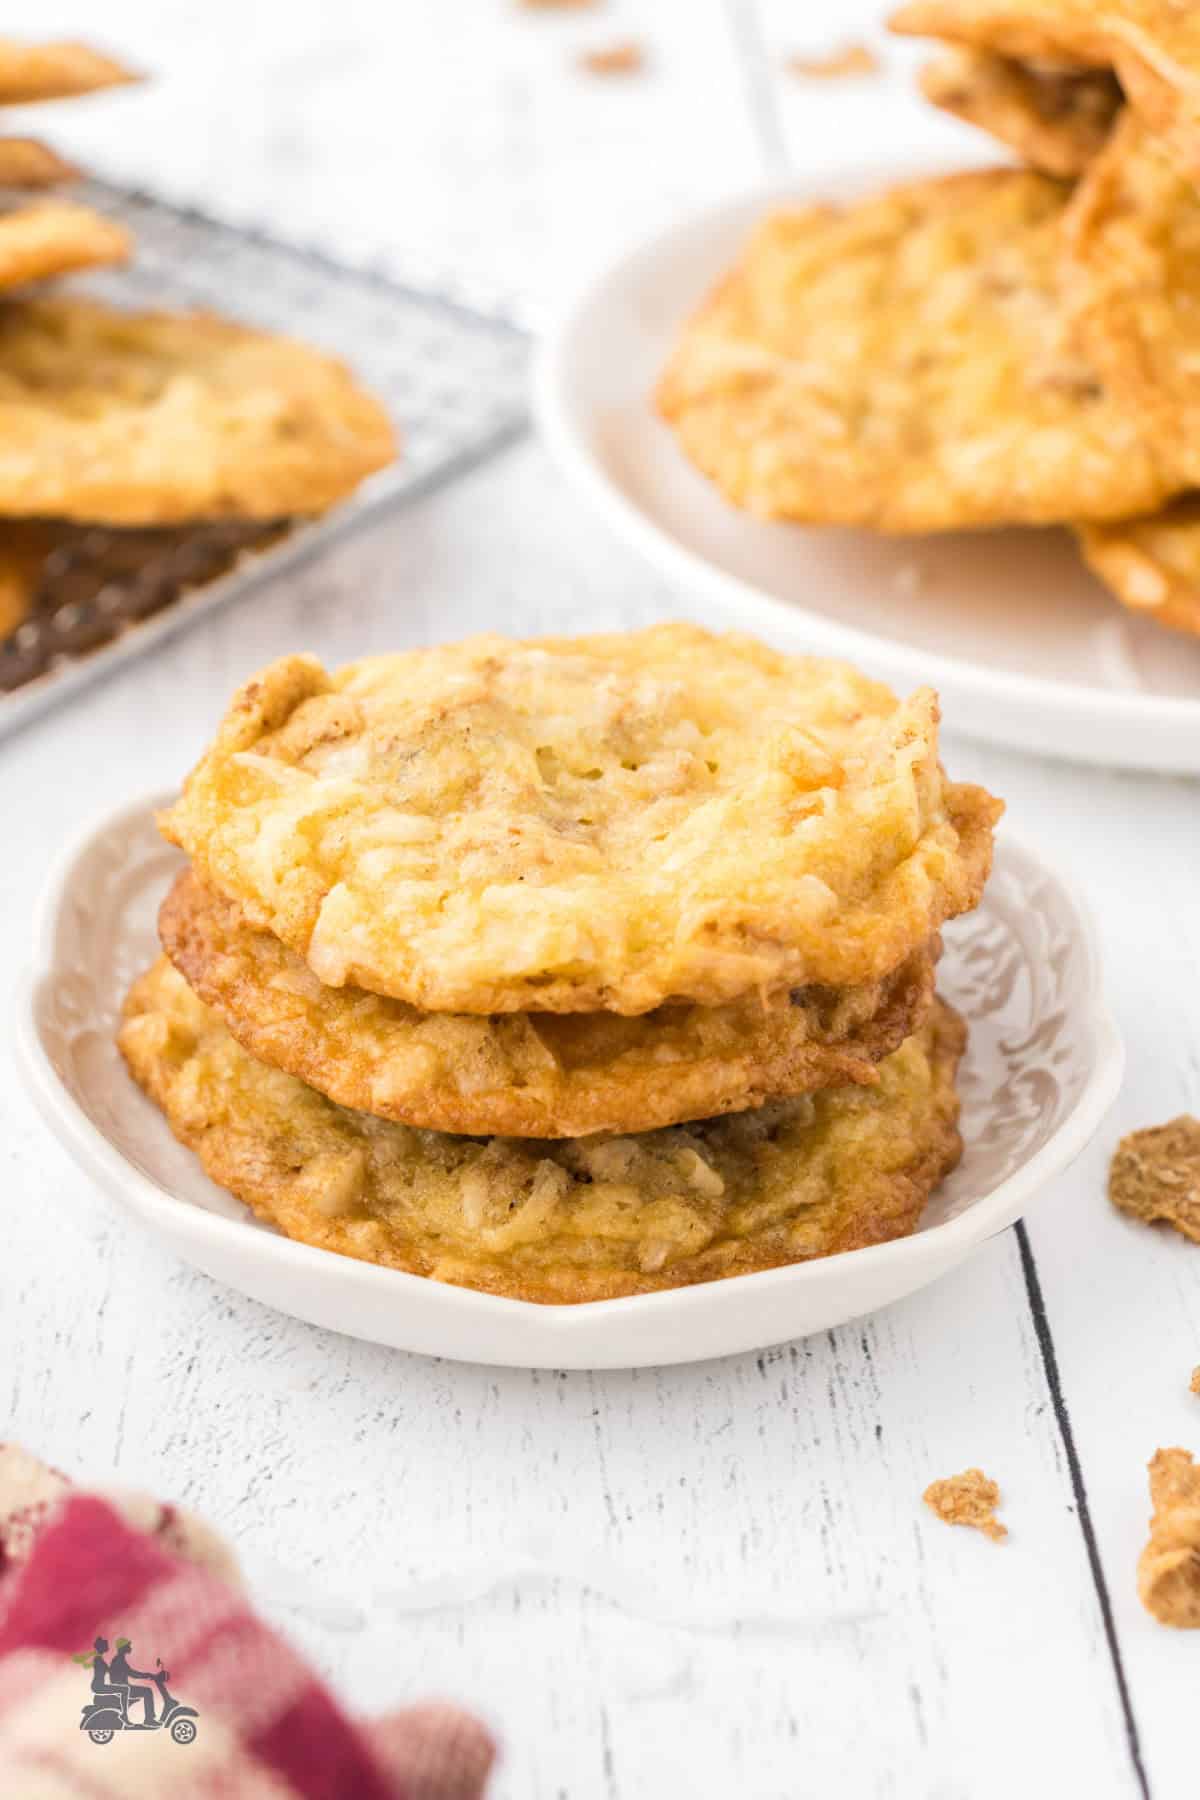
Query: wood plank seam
(760, 89)
(1045, 1339)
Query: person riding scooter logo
(115, 1693)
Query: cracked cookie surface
(575, 825)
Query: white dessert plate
(1025, 647)
(1043, 1066)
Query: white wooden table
(848, 1643)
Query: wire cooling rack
(454, 380)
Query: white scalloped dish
(1043, 1066)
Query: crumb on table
(1155, 1175)
(615, 59)
(1195, 1381)
(968, 1499)
(835, 65)
(1168, 1575)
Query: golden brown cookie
(583, 824)
(1133, 239)
(531, 1074)
(565, 1219)
(905, 363)
(56, 237)
(1057, 120)
(1059, 31)
(28, 163)
(1153, 46)
(158, 418)
(1152, 565)
(55, 71)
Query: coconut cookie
(1056, 119)
(56, 237)
(531, 1074)
(1152, 565)
(906, 363)
(1133, 239)
(1057, 31)
(55, 71)
(566, 1219)
(28, 163)
(1153, 46)
(128, 418)
(572, 825)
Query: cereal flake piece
(1194, 1384)
(1169, 1567)
(835, 65)
(968, 1499)
(1155, 1175)
(614, 59)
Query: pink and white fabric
(75, 1566)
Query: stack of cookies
(1016, 346)
(567, 969)
(122, 433)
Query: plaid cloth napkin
(88, 1581)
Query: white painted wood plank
(460, 142)
(1123, 1304)
(795, 1482)
(878, 117)
(1123, 1300)
(467, 144)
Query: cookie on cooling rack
(28, 163)
(55, 71)
(594, 824)
(55, 237)
(562, 1220)
(125, 418)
